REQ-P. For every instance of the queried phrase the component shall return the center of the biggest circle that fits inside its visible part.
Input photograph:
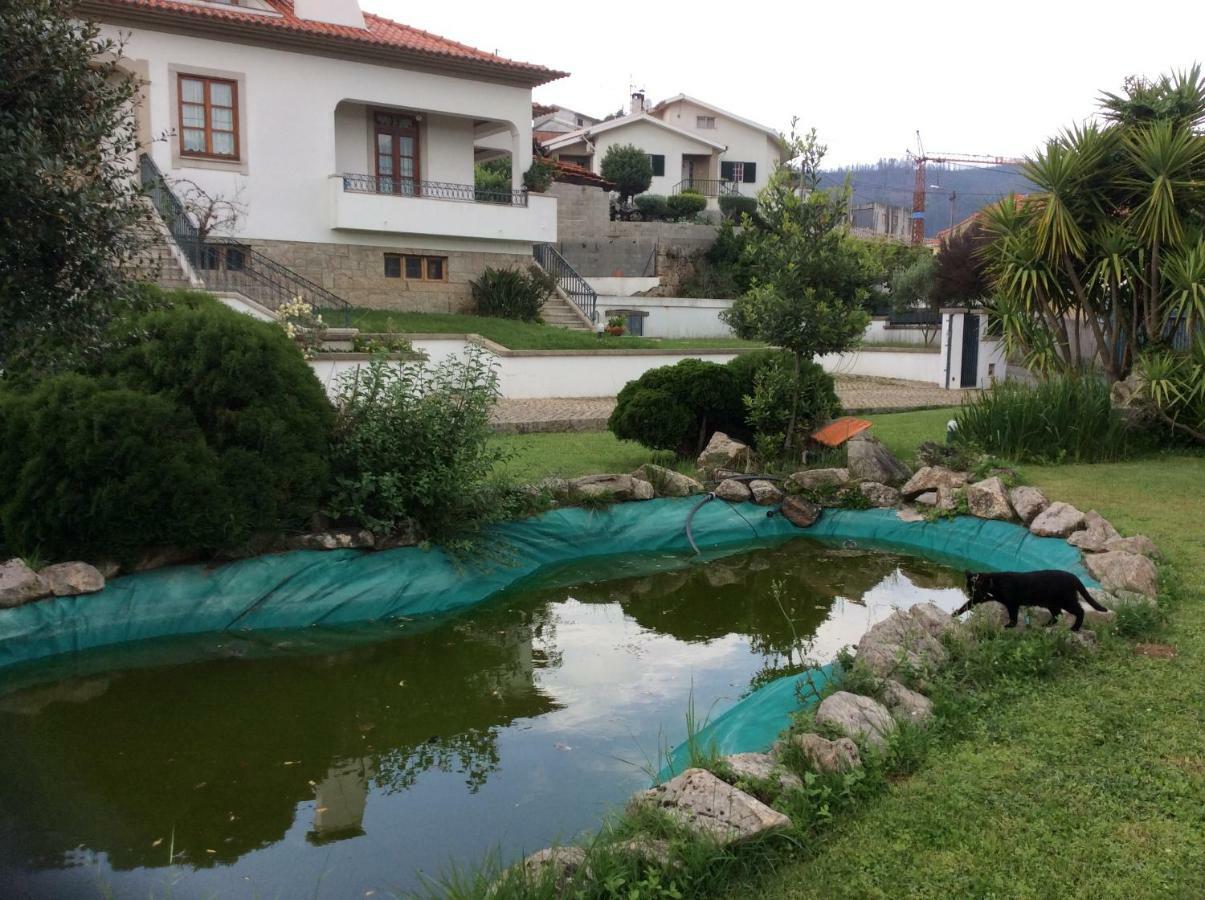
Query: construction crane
(921, 185)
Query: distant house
(552, 121)
(881, 220)
(692, 145)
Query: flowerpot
(616, 330)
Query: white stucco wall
(878, 332)
(304, 120)
(675, 317)
(744, 144)
(651, 139)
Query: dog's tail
(1083, 592)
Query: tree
(212, 213)
(960, 276)
(69, 206)
(913, 287)
(809, 277)
(629, 167)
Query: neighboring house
(551, 121)
(349, 139)
(691, 144)
(881, 220)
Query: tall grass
(1063, 419)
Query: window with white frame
(704, 121)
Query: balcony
(708, 187)
(438, 208)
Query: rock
(1139, 543)
(1027, 502)
(988, 499)
(1114, 600)
(930, 478)
(1096, 534)
(857, 717)
(1117, 570)
(906, 704)
(799, 512)
(907, 637)
(338, 539)
(20, 584)
(651, 850)
(870, 460)
(1086, 639)
(823, 755)
(816, 479)
(725, 452)
(406, 535)
(909, 514)
(160, 557)
(71, 578)
(880, 495)
(990, 614)
(1057, 520)
(108, 569)
(551, 487)
(566, 862)
(765, 493)
(762, 767)
(733, 491)
(667, 482)
(709, 806)
(944, 498)
(1094, 521)
(719, 576)
(613, 487)
(928, 498)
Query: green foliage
(679, 407)
(538, 177)
(512, 293)
(97, 470)
(1062, 419)
(68, 230)
(1174, 385)
(736, 206)
(629, 168)
(652, 207)
(413, 442)
(768, 385)
(686, 205)
(724, 272)
(492, 181)
(914, 286)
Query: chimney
(638, 105)
(334, 12)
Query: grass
(522, 335)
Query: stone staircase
(560, 313)
(160, 264)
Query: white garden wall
(675, 317)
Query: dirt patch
(1156, 651)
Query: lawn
(1091, 786)
(520, 335)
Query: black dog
(1056, 590)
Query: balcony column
(520, 156)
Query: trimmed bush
(686, 205)
(734, 206)
(629, 168)
(512, 293)
(679, 407)
(766, 383)
(653, 207)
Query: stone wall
(634, 249)
(581, 210)
(356, 272)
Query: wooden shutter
(726, 171)
(658, 162)
(750, 172)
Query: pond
(328, 764)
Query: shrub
(679, 407)
(766, 383)
(538, 177)
(629, 167)
(96, 470)
(253, 396)
(653, 207)
(512, 293)
(492, 181)
(724, 271)
(735, 205)
(686, 205)
(413, 442)
(1065, 418)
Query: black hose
(690, 518)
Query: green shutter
(725, 171)
(658, 161)
(750, 172)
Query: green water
(332, 764)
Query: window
(657, 160)
(208, 117)
(704, 121)
(397, 163)
(740, 172)
(416, 268)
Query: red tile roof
(571, 173)
(379, 32)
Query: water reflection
(516, 723)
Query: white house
(348, 138)
(691, 144)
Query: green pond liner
(309, 599)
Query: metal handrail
(708, 187)
(570, 281)
(436, 190)
(914, 317)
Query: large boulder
(733, 491)
(906, 638)
(667, 482)
(723, 452)
(818, 479)
(870, 460)
(880, 495)
(761, 767)
(1027, 502)
(988, 499)
(1139, 543)
(613, 487)
(711, 807)
(801, 513)
(20, 584)
(828, 756)
(337, 539)
(1096, 534)
(944, 498)
(857, 717)
(1059, 519)
(1117, 570)
(565, 862)
(930, 478)
(906, 704)
(71, 578)
(765, 493)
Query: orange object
(837, 432)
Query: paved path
(858, 394)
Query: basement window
(416, 268)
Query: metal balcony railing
(570, 281)
(708, 187)
(434, 190)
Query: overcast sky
(972, 77)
